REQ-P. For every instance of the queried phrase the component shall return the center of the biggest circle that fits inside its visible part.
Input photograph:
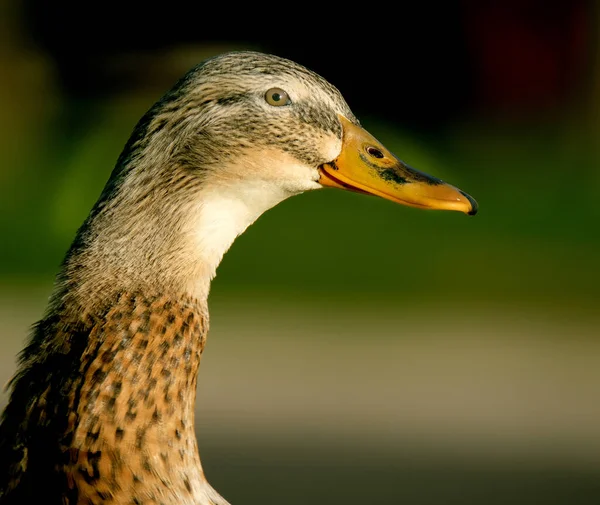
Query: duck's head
(238, 134)
(249, 117)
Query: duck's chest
(116, 424)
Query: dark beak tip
(472, 201)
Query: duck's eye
(277, 97)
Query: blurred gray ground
(352, 401)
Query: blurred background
(360, 351)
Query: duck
(101, 408)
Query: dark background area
(443, 359)
(430, 62)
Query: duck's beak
(366, 166)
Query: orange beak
(364, 165)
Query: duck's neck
(136, 387)
(130, 312)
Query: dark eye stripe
(232, 98)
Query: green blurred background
(360, 351)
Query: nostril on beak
(374, 152)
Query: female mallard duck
(102, 406)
